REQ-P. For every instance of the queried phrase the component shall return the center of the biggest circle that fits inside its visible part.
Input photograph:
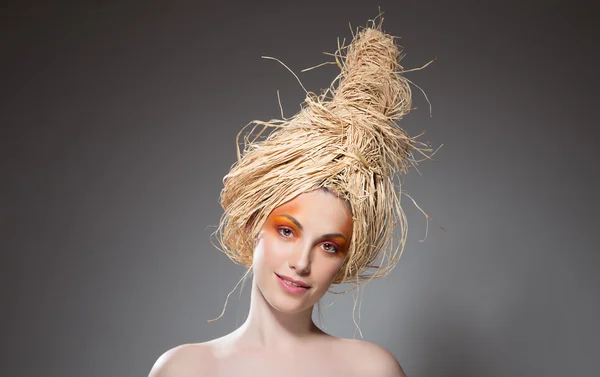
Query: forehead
(320, 209)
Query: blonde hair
(345, 140)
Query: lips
(296, 282)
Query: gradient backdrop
(118, 125)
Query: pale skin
(304, 239)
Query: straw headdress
(345, 140)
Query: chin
(284, 303)
(288, 308)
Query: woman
(311, 205)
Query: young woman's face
(304, 240)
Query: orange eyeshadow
(340, 242)
(284, 221)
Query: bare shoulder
(370, 359)
(183, 361)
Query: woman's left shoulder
(371, 359)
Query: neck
(266, 327)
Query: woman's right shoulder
(184, 361)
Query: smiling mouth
(291, 283)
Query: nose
(300, 259)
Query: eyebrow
(294, 221)
(325, 236)
(333, 235)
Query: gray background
(118, 124)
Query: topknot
(345, 140)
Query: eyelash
(334, 246)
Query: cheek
(326, 268)
(272, 251)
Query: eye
(285, 232)
(329, 247)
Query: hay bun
(345, 140)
